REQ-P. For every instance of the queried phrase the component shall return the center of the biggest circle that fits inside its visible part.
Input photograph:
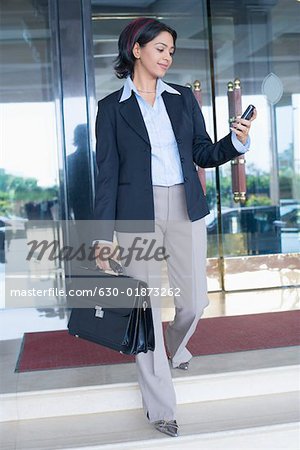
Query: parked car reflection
(257, 230)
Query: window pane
(258, 42)
(29, 168)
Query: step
(106, 398)
(257, 422)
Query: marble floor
(15, 322)
(231, 424)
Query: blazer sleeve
(205, 153)
(107, 159)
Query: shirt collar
(161, 86)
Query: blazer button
(182, 159)
(178, 141)
(186, 179)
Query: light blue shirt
(165, 158)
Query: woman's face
(155, 57)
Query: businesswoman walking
(150, 134)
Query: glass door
(191, 63)
(251, 244)
(46, 176)
(258, 43)
(30, 201)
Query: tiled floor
(15, 322)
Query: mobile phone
(247, 114)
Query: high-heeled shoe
(182, 366)
(168, 427)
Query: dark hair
(141, 30)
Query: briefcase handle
(114, 265)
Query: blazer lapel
(131, 113)
(174, 107)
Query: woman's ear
(136, 50)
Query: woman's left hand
(241, 127)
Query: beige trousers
(185, 245)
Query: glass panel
(29, 167)
(191, 63)
(258, 42)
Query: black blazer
(124, 195)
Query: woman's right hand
(102, 253)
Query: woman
(149, 135)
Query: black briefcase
(116, 315)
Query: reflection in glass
(260, 46)
(28, 173)
(79, 179)
(29, 168)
